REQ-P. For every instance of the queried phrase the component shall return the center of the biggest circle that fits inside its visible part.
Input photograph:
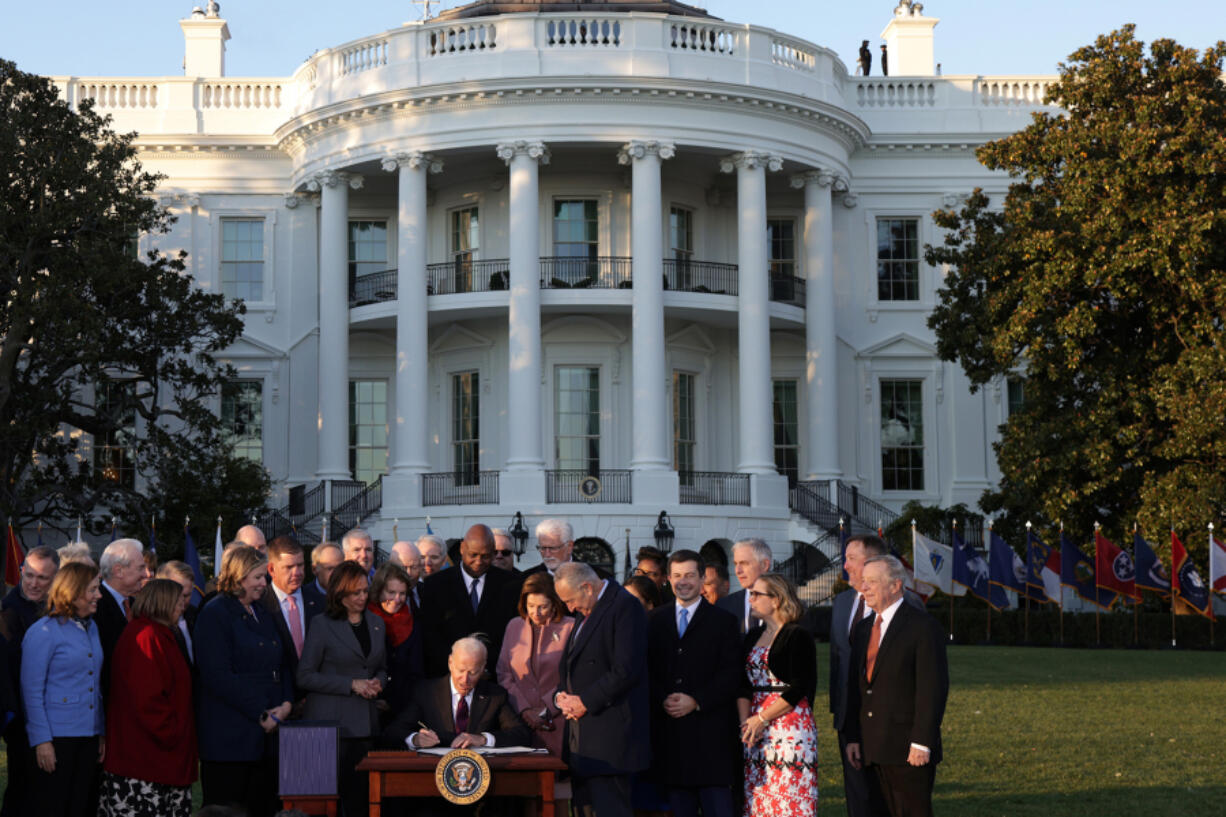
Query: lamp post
(519, 534)
(664, 533)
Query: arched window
(595, 551)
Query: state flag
(1151, 573)
(934, 563)
(217, 550)
(843, 534)
(1113, 567)
(1005, 569)
(192, 557)
(1186, 583)
(1042, 570)
(1077, 572)
(13, 557)
(1217, 565)
(970, 570)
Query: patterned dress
(781, 768)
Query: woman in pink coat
(531, 653)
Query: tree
(1101, 283)
(98, 345)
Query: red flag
(1113, 567)
(1186, 583)
(13, 557)
(1217, 564)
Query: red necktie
(127, 608)
(461, 715)
(873, 638)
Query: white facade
(651, 123)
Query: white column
(333, 422)
(410, 430)
(753, 327)
(524, 451)
(821, 369)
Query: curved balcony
(468, 275)
(685, 275)
(607, 272)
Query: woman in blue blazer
(245, 689)
(61, 667)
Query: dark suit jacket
(905, 701)
(448, 615)
(111, 622)
(700, 749)
(431, 704)
(605, 664)
(735, 603)
(331, 659)
(840, 650)
(539, 568)
(312, 605)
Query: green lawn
(1035, 732)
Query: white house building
(490, 255)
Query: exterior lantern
(664, 533)
(519, 534)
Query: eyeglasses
(549, 548)
(753, 594)
(502, 552)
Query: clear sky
(272, 37)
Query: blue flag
(1037, 555)
(192, 557)
(970, 570)
(1151, 575)
(1077, 572)
(1005, 572)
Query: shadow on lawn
(965, 800)
(1000, 666)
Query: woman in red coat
(150, 729)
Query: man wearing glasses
(555, 540)
(504, 552)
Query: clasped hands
(678, 705)
(570, 705)
(916, 757)
(428, 738)
(369, 688)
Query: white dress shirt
(851, 617)
(455, 701)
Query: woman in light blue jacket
(61, 666)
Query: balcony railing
(453, 277)
(788, 289)
(460, 488)
(570, 486)
(372, 288)
(684, 275)
(357, 501)
(605, 272)
(714, 488)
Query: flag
(192, 557)
(909, 581)
(40, 535)
(1113, 567)
(1185, 581)
(114, 529)
(843, 548)
(78, 539)
(1005, 569)
(13, 557)
(1217, 564)
(971, 571)
(1077, 572)
(217, 549)
(1151, 574)
(153, 535)
(1042, 570)
(934, 563)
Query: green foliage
(1102, 281)
(931, 521)
(83, 311)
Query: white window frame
(925, 235)
(269, 216)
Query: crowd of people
(667, 694)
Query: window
(684, 433)
(242, 418)
(242, 258)
(114, 456)
(576, 239)
(781, 244)
(367, 429)
(367, 248)
(577, 410)
(902, 435)
(1016, 394)
(787, 430)
(681, 233)
(465, 428)
(897, 259)
(465, 242)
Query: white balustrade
(900, 93)
(457, 39)
(363, 56)
(703, 37)
(582, 32)
(793, 54)
(1017, 91)
(240, 95)
(119, 94)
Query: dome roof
(486, 8)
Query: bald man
(471, 598)
(253, 536)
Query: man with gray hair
(897, 692)
(504, 551)
(460, 709)
(358, 546)
(556, 543)
(324, 558)
(433, 552)
(602, 690)
(407, 556)
(122, 567)
(750, 558)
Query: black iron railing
(605, 272)
(808, 561)
(714, 488)
(862, 509)
(485, 275)
(811, 500)
(684, 275)
(460, 488)
(372, 288)
(362, 501)
(295, 518)
(565, 485)
(788, 289)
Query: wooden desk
(408, 774)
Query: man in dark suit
(122, 566)
(863, 796)
(290, 606)
(603, 690)
(459, 710)
(470, 600)
(750, 559)
(555, 541)
(896, 700)
(695, 666)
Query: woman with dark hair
(61, 665)
(342, 670)
(531, 651)
(389, 593)
(151, 730)
(245, 691)
(780, 735)
(645, 590)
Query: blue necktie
(682, 622)
(472, 595)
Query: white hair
(469, 645)
(318, 550)
(71, 552)
(433, 539)
(894, 570)
(354, 534)
(558, 529)
(573, 574)
(761, 550)
(120, 553)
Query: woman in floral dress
(776, 709)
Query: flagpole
(1026, 590)
(989, 584)
(1211, 616)
(1136, 601)
(1098, 640)
(951, 590)
(1061, 583)
(1174, 581)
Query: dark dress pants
(21, 768)
(716, 801)
(602, 796)
(907, 789)
(72, 789)
(860, 788)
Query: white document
(486, 750)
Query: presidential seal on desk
(462, 777)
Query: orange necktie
(874, 637)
